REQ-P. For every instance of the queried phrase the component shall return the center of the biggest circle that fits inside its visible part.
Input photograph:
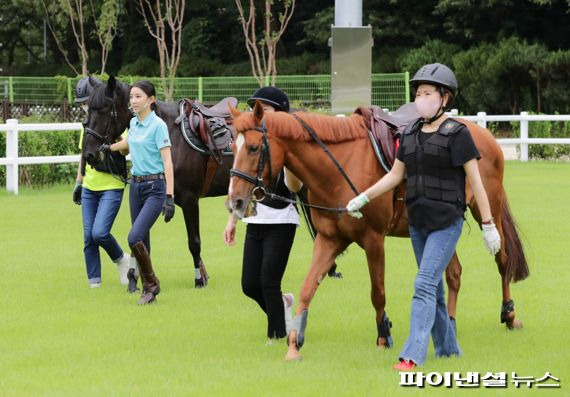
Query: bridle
(113, 119)
(265, 156)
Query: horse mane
(329, 129)
(99, 98)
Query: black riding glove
(168, 208)
(77, 193)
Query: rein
(317, 207)
(324, 147)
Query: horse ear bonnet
(272, 96)
(84, 88)
(435, 73)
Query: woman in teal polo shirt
(152, 184)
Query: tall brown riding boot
(150, 283)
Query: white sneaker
(288, 304)
(95, 285)
(123, 268)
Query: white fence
(482, 119)
(12, 161)
(13, 128)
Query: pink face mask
(428, 107)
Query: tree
(169, 48)
(19, 30)
(469, 22)
(54, 17)
(106, 27)
(317, 30)
(432, 51)
(262, 53)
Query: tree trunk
(262, 53)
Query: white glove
(355, 204)
(491, 238)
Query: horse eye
(253, 149)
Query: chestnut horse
(267, 142)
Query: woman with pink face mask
(436, 155)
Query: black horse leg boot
(150, 283)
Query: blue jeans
(433, 250)
(146, 200)
(99, 210)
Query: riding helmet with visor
(84, 88)
(436, 74)
(272, 96)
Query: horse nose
(238, 204)
(89, 157)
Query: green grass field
(59, 337)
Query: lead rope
(323, 146)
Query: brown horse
(267, 142)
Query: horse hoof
(514, 325)
(335, 275)
(200, 283)
(382, 344)
(293, 355)
(132, 289)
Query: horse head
(258, 159)
(107, 118)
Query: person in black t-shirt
(435, 156)
(269, 237)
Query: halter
(264, 157)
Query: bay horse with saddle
(335, 158)
(201, 156)
(200, 139)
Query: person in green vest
(99, 191)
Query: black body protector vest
(429, 170)
(280, 189)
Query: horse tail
(516, 266)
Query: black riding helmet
(84, 88)
(436, 74)
(272, 96)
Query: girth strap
(398, 207)
(211, 168)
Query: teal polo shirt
(146, 138)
